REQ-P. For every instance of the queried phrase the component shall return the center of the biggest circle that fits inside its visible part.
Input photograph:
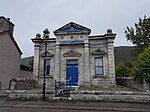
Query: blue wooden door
(72, 72)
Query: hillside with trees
(123, 54)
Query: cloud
(32, 16)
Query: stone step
(2, 99)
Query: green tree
(141, 71)
(122, 70)
(30, 63)
(139, 35)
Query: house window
(99, 66)
(47, 67)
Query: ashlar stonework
(75, 56)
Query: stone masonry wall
(130, 82)
(125, 96)
(23, 84)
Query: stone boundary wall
(22, 84)
(130, 82)
(113, 97)
(124, 96)
(28, 94)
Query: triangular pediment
(72, 53)
(72, 28)
(98, 52)
(48, 54)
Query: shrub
(122, 70)
(141, 71)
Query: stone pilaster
(111, 61)
(57, 63)
(86, 65)
(36, 61)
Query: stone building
(75, 56)
(10, 53)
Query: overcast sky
(33, 16)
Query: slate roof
(2, 17)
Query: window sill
(51, 77)
(100, 76)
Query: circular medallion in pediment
(81, 36)
(71, 37)
(62, 37)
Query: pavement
(77, 105)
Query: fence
(62, 89)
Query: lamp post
(45, 36)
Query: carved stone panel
(48, 54)
(98, 52)
(72, 53)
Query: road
(73, 106)
(12, 109)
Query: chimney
(8, 19)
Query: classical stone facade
(75, 56)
